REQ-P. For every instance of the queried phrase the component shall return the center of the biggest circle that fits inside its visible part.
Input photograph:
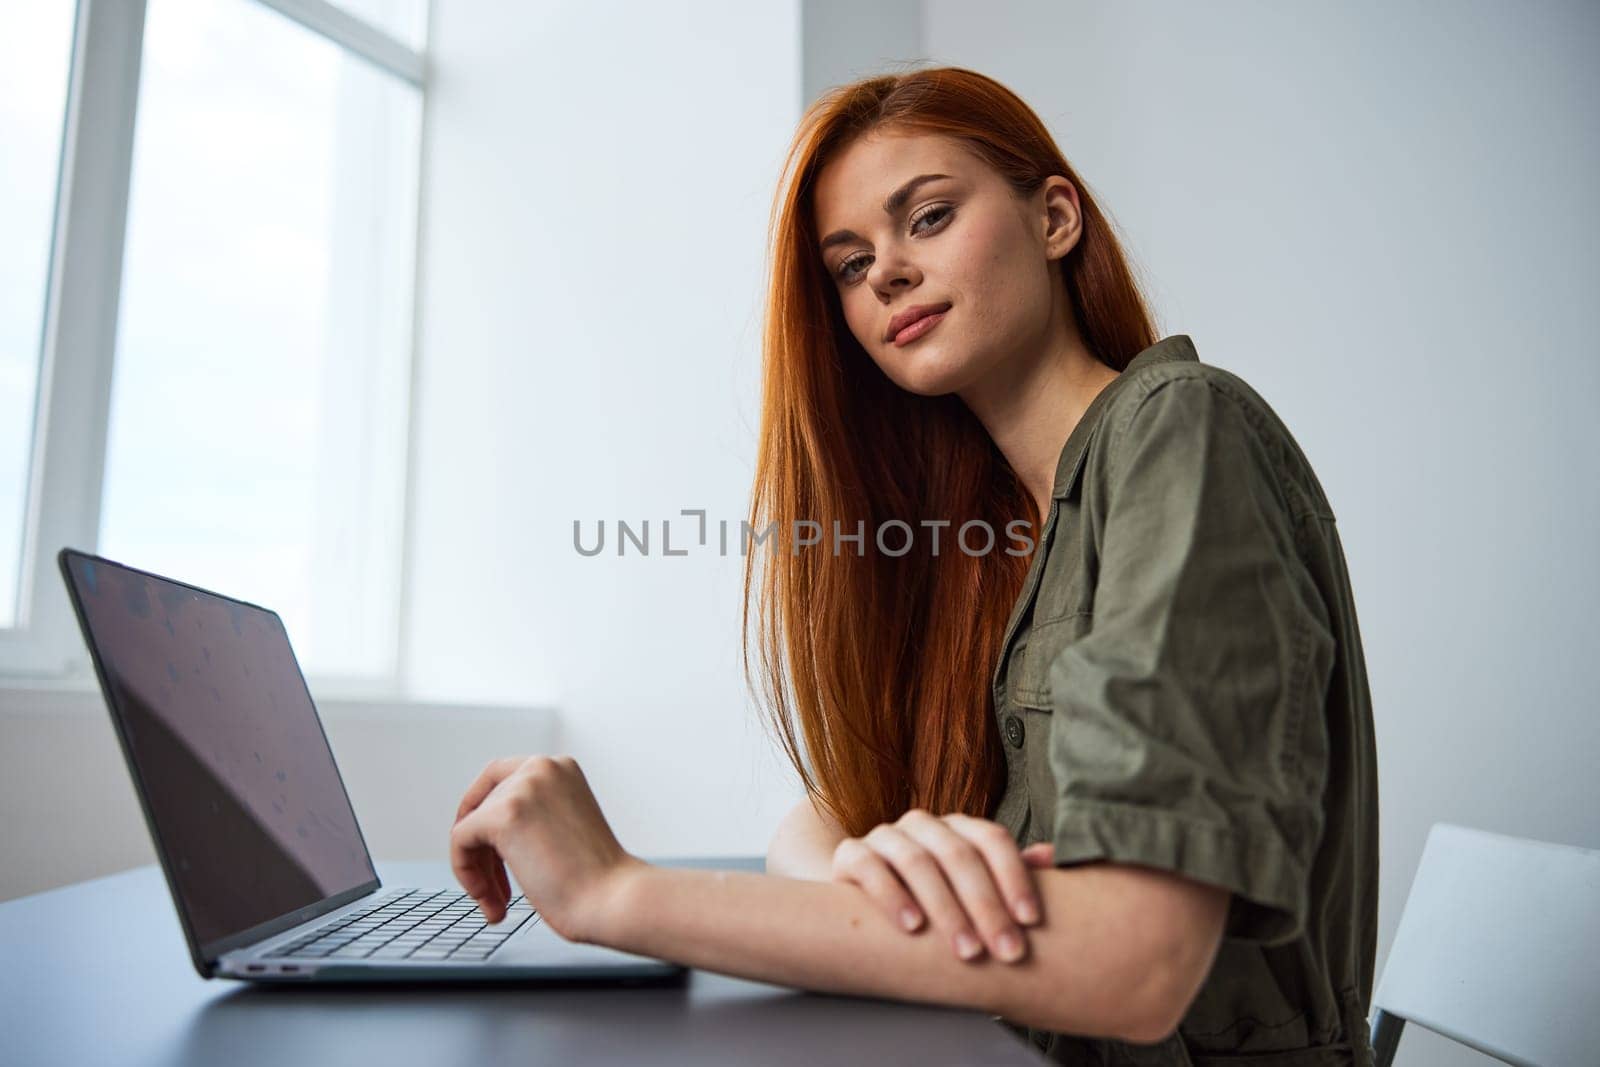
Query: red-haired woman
(1054, 624)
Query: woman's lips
(918, 328)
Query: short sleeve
(1188, 731)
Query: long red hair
(886, 661)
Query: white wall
(1383, 216)
(842, 40)
(596, 194)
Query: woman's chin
(927, 373)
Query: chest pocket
(1030, 661)
(1030, 700)
(1066, 583)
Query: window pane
(404, 20)
(258, 407)
(35, 61)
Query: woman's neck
(1031, 406)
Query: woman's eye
(845, 270)
(940, 211)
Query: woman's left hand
(966, 873)
(538, 816)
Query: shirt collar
(1175, 349)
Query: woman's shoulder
(1192, 385)
(1185, 401)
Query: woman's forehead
(875, 163)
(863, 178)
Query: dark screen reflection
(236, 772)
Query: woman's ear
(1064, 223)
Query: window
(249, 386)
(405, 20)
(35, 57)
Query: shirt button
(1014, 731)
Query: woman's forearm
(1082, 973)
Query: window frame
(66, 473)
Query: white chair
(1498, 948)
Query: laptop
(254, 829)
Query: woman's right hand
(967, 874)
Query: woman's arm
(908, 875)
(1120, 953)
(1120, 950)
(803, 844)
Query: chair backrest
(1499, 949)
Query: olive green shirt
(1182, 687)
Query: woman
(1119, 756)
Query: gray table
(98, 973)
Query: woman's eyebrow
(890, 206)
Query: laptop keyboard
(415, 924)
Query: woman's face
(965, 242)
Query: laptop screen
(238, 780)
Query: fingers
(505, 882)
(853, 861)
(982, 864)
(476, 862)
(1041, 854)
(1006, 867)
(477, 865)
(966, 874)
(496, 772)
(928, 881)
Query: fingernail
(908, 918)
(1027, 911)
(1010, 947)
(967, 946)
